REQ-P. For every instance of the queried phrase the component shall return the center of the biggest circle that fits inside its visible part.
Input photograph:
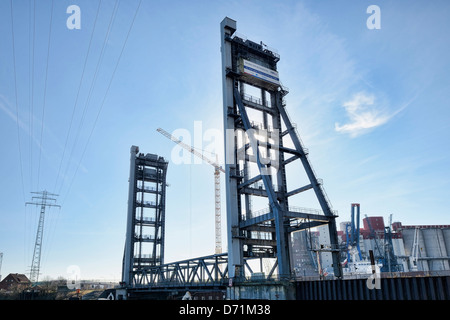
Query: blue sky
(372, 106)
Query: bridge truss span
(203, 271)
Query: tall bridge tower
(260, 143)
(144, 244)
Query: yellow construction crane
(217, 170)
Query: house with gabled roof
(14, 280)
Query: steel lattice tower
(43, 203)
(144, 244)
(260, 143)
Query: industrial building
(421, 248)
(428, 246)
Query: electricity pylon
(35, 263)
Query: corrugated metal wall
(408, 288)
(434, 248)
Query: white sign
(260, 72)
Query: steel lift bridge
(262, 148)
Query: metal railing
(144, 237)
(265, 48)
(146, 203)
(250, 98)
(146, 219)
(147, 188)
(261, 212)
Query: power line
(104, 97)
(45, 94)
(17, 105)
(78, 93)
(31, 89)
(94, 79)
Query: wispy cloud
(364, 114)
(6, 107)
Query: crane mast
(217, 198)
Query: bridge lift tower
(247, 65)
(144, 244)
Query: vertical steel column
(162, 205)
(235, 257)
(128, 259)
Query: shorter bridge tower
(144, 244)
